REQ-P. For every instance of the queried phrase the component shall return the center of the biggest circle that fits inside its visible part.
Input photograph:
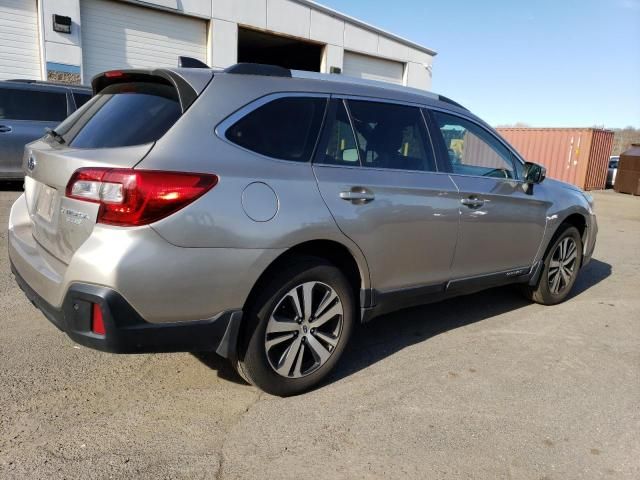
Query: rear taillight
(130, 197)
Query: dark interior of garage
(260, 47)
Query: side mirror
(534, 173)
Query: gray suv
(262, 213)
(27, 108)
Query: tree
(623, 138)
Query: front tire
(297, 327)
(560, 270)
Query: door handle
(472, 202)
(357, 195)
(5, 129)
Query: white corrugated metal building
(111, 34)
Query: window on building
(286, 128)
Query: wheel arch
(352, 264)
(577, 220)
(574, 219)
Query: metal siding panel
(19, 41)
(573, 155)
(373, 68)
(599, 154)
(118, 35)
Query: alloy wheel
(562, 266)
(304, 329)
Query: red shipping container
(574, 155)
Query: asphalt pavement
(484, 386)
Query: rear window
(123, 115)
(17, 104)
(81, 98)
(286, 128)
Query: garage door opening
(260, 47)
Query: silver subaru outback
(261, 213)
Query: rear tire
(560, 269)
(297, 327)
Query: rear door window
(391, 136)
(122, 115)
(338, 146)
(81, 98)
(285, 128)
(31, 104)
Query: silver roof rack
(340, 78)
(276, 71)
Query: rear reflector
(97, 322)
(130, 197)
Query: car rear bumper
(162, 282)
(125, 330)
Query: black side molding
(391, 300)
(126, 330)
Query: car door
(25, 112)
(376, 172)
(502, 220)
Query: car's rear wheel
(560, 269)
(296, 328)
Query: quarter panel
(218, 219)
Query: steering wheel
(503, 173)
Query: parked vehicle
(262, 213)
(612, 171)
(27, 108)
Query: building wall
(288, 17)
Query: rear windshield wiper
(59, 138)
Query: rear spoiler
(188, 83)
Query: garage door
(19, 44)
(372, 68)
(118, 35)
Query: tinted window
(339, 145)
(123, 114)
(286, 128)
(81, 98)
(391, 136)
(472, 150)
(32, 105)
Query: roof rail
(258, 69)
(340, 78)
(276, 71)
(451, 102)
(190, 62)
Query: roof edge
(368, 26)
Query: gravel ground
(485, 386)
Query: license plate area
(46, 202)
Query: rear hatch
(117, 128)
